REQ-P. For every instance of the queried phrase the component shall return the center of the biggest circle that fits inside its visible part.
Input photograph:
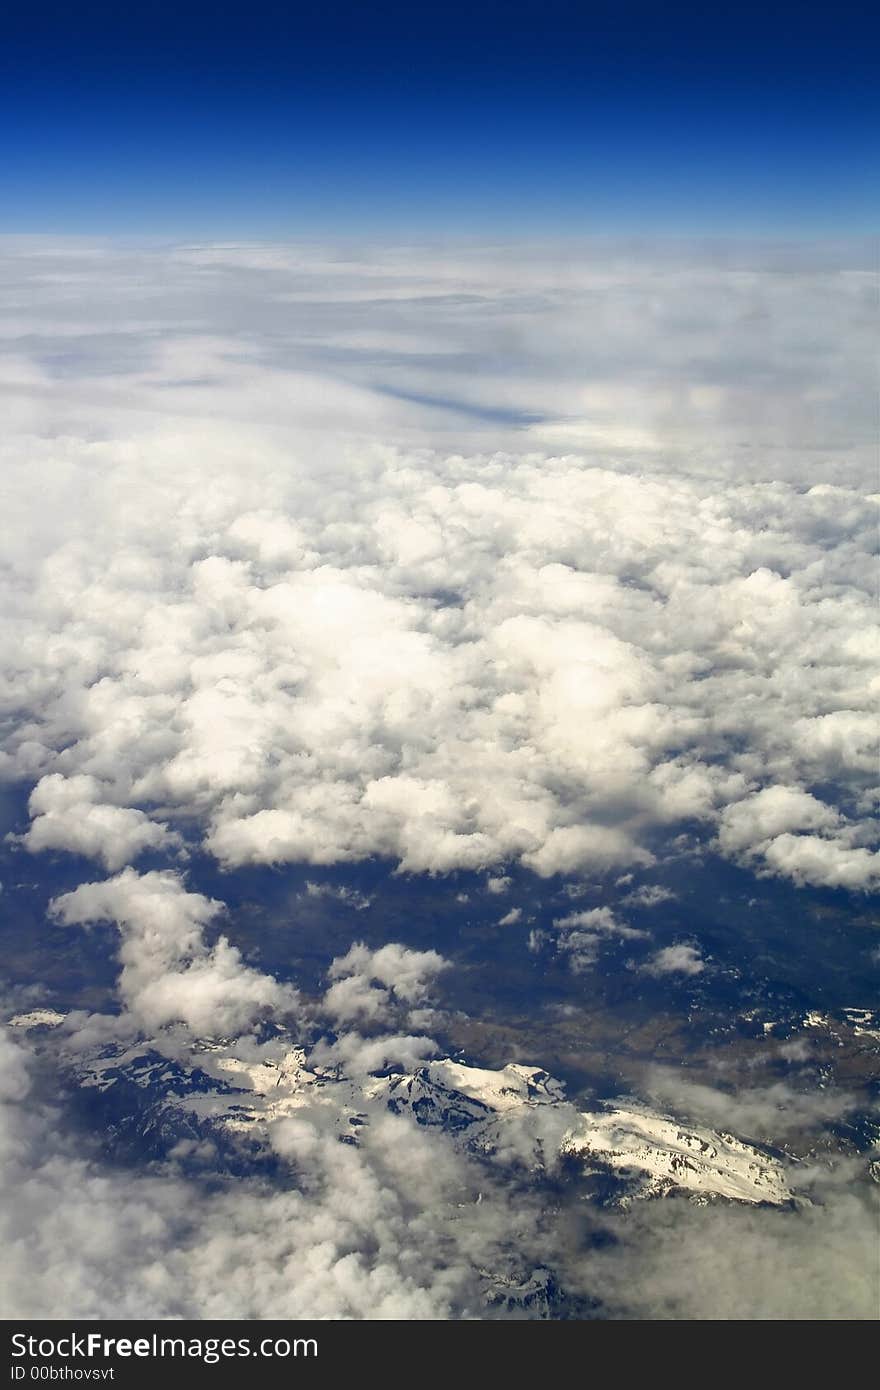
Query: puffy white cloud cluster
(788, 831)
(169, 973)
(577, 663)
(365, 984)
(679, 959)
(269, 602)
(67, 815)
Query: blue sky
(562, 118)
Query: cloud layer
(290, 628)
(453, 663)
(460, 560)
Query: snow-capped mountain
(518, 1116)
(639, 1152)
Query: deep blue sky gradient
(286, 120)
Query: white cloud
(648, 895)
(578, 937)
(349, 897)
(269, 605)
(824, 863)
(675, 960)
(600, 920)
(360, 1055)
(319, 703)
(367, 983)
(498, 883)
(771, 812)
(169, 973)
(760, 829)
(67, 816)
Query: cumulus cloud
(777, 828)
(327, 705)
(366, 984)
(406, 973)
(360, 1056)
(675, 960)
(66, 815)
(169, 973)
(809, 859)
